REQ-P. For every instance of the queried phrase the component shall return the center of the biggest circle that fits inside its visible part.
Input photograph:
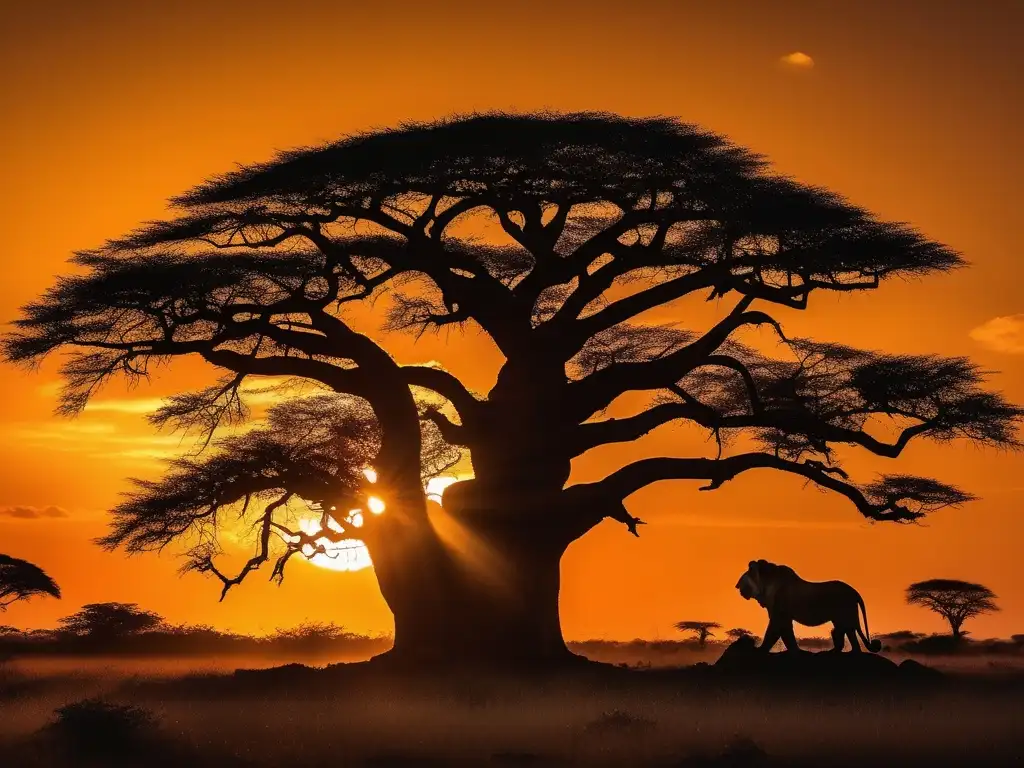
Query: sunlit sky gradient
(912, 109)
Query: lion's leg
(771, 637)
(789, 638)
(838, 639)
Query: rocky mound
(744, 659)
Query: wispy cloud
(32, 513)
(1002, 334)
(127, 405)
(120, 440)
(797, 60)
(98, 439)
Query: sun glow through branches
(352, 554)
(436, 485)
(346, 555)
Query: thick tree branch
(599, 389)
(348, 380)
(631, 478)
(453, 433)
(596, 433)
(635, 304)
(254, 562)
(593, 434)
(584, 508)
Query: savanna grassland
(158, 711)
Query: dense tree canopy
(20, 580)
(109, 621)
(554, 235)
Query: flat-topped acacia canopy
(22, 580)
(602, 219)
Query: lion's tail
(872, 645)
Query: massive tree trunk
(474, 589)
(477, 581)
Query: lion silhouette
(788, 598)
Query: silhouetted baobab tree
(553, 235)
(702, 629)
(20, 580)
(954, 600)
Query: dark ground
(815, 710)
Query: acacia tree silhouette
(110, 621)
(703, 629)
(20, 580)
(954, 600)
(737, 633)
(554, 235)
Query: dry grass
(474, 722)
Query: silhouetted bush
(618, 723)
(314, 638)
(901, 636)
(96, 729)
(309, 639)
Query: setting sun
(347, 555)
(436, 486)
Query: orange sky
(911, 109)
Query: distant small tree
(736, 633)
(701, 628)
(20, 580)
(110, 621)
(954, 600)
